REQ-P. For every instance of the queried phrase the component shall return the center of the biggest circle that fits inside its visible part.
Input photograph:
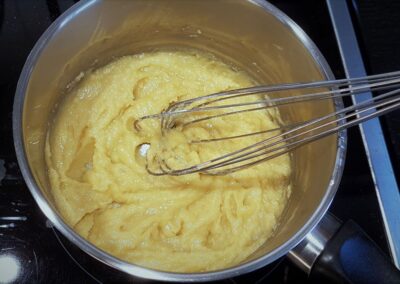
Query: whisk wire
(289, 137)
(248, 156)
(280, 144)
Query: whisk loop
(288, 137)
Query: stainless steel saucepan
(251, 34)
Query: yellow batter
(100, 185)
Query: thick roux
(188, 223)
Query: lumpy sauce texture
(188, 223)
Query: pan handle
(343, 253)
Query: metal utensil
(286, 137)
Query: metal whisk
(287, 137)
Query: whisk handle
(350, 256)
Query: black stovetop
(42, 255)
